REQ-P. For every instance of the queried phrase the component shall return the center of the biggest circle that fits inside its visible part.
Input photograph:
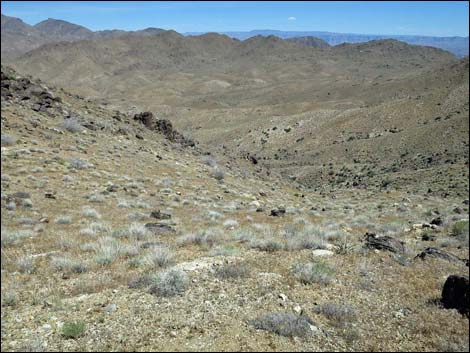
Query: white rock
(322, 252)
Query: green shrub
(73, 329)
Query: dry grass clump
(338, 314)
(207, 237)
(232, 271)
(7, 140)
(10, 238)
(72, 125)
(63, 263)
(158, 257)
(284, 324)
(170, 283)
(268, 245)
(313, 272)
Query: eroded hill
(379, 114)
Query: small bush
(90, 213)
(284, 324)
(232, 271)
(9, 299)
(66, 264)
(7, 140)
(218, 174)
(210, 161)
(107, 250)
(313, 272)
(460, 229)
(72, 125)
(201, 238)
(170, 283)
(78, 163)
(159, 257)
(64, 220)
(268, 245)
(9, 238)
(73, 329)
(26, 264)
(338, 314)
(230, 224)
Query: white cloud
(292, 18)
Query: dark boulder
(277, 212)
(160, 215)
(440, 254)
(146, 118)
(384, 243)
(455, 294)
(159, 228)
(437, 221)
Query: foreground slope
(82, 271)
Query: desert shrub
(63, 220)
(230, 223)
(218, 174)
(284, 324)
(313, 272)
(9, 298)
(344, 246)
(72, 125)
(107, 250)
(73, 329)
(268, 245)
(209, 160)
(232, 271)
(9, 238)
(78, 163)
(338, 314)
(90, 213)
(460, 229)
(159, 257)
(65, 264)
(7, 140)
(207, 237)
(170, 283)
(228, 250)
(243, 235)
(26, 264)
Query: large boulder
(384, 243)
(455, 294)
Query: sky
(432, 18)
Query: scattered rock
(437, 221)
(322, 252)
(160, 215)
(159, 228)
(437, 253)
(277, 212)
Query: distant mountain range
(456, 45)
(19, 37)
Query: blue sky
(435, 18)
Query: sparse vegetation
(232, 271)
(73, 329)
(313, 272)
(170, 283)
(284, 324)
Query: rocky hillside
(118, 236)
(310, 41)
(366, 115)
